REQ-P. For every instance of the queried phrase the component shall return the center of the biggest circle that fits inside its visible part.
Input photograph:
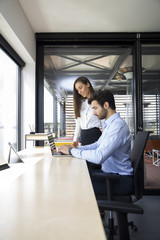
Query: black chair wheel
(134, 228)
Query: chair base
(133, 226)
(109, 227)
(122, 209)
(112, 231)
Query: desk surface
(49, 199)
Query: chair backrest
(137, 157)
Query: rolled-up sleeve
(77, 130)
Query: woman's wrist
(75, 144)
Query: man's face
(100, 112)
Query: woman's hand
(75, 144)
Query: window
(8, 103)
(10, 128)
(151, 87)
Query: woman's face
(83, 89)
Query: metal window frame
(20, 63)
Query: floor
(152, 174)
(148, 223)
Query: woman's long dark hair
(77, 98)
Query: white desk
(52, 198)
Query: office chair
(123, 204)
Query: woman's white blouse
(86, 120)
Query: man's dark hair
(103, 96)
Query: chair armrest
(109, 179)
(122, 207)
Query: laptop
(16, 158)
(53, 147)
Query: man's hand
(64, 149)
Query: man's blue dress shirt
(113, 148)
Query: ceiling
(93, 15)
(105, 67)
(110, 68)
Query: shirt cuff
(69, 150)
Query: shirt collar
(110, 119)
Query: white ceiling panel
(93, 15)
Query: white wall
(16, 29)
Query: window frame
(6, 47)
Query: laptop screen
(53, 147)
(51, 142)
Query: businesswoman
(88, 126)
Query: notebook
(53, 147)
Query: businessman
(113, 148)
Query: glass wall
(151, 111)
(107, 67)
(8, 104)
(48, 108)
(151, 87)
(110, 61)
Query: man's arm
(65, 148)
(107, 144)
